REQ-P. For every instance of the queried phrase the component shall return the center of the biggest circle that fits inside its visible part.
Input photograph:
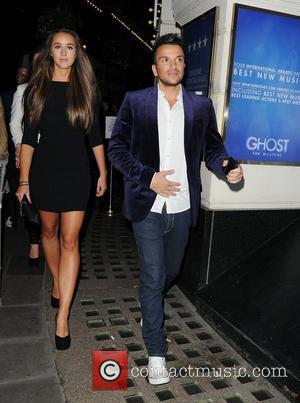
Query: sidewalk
(106, 316)
(27, 371)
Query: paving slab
(22, 290)
(21, 360)
(41, 390)
(19, 266)
(21, 321)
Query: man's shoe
(157, 371)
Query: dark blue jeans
(161, 240)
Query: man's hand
(163, 186)
(234, 175)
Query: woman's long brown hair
(82, 88)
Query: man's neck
(171, 92)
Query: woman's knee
(69, 242)
(49, 232)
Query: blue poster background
(198, 39)
(263, 122)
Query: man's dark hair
(167, 39)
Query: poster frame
(215, 11)
(236, 8)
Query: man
(157, 142)
(3, 147)
(16, 129)
(12, 173)
(22, 75)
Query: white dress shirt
(16, 116)
(171, 152)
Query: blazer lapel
(152, 124)
(188, 118)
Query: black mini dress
(60, 178)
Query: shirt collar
(179, 95)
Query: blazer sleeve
(119, 151)
(214, 151)
(30, 133)
(16, 116)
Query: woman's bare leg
(70, 226)
(51, 246)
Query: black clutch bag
(29, 211)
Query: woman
(60, 108)
(16, 129)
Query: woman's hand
(100, 158)
(101, 186)
(23, 189)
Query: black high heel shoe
(34, 261)
(54, 302)
(62, 343)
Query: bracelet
(24, 184)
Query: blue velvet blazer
(134, 148)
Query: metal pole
(110, 213)
(109, 124)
